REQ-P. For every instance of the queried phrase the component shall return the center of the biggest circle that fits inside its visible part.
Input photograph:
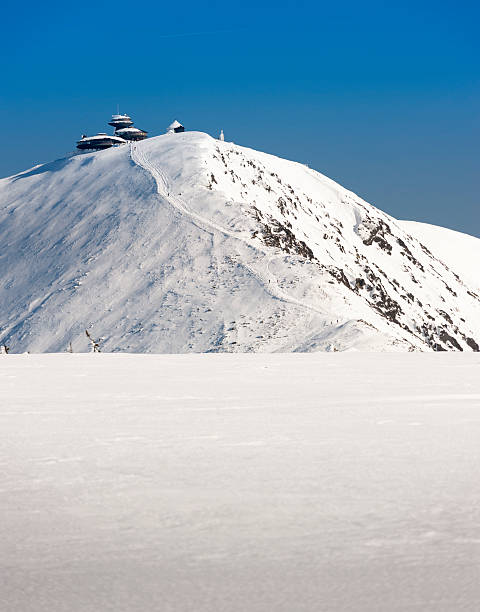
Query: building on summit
(175, 128)
(124, 131)
(120, 121)
(98, 142)
(131, 133)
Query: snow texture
(259, 483)
(460, 251)
(184, 243)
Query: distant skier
(221, 137)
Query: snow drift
(183, 243)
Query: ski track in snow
(165, 191)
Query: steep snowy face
(184, 243)
(459, 251)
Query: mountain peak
(185, 243)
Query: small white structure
(175, 128)
(222, 136)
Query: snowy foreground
(244, 483)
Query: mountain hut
(175, 128)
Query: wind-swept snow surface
(460, 251)
(183, 243)
(259, 483)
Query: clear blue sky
(382, 96)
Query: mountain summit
(184, 243)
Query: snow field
(240, 482)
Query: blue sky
(383, 97)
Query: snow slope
(182, 243)
(333, 482)
(460, 251)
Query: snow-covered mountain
(459, 251)
(183, 243)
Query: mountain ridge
(183, 243)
